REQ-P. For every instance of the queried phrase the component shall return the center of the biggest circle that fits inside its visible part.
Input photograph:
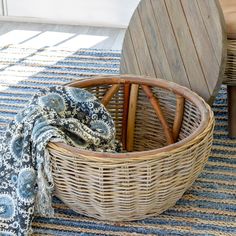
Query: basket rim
(207, 116)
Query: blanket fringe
(43, 203)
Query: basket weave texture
(151, 177)
(230, 70)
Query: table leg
(232, 110)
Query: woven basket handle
(156, 106)
(125, 115)
(179, 114)
(133, 97)
(110, 93)
(130, 105)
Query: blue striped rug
(208, 208)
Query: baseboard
(64, 22)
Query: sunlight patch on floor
(21, 65)
(17, 36)
(83, 41)
(39, 39)
(17, 67)
(48, 39)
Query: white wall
(1, 7)
(116, 13)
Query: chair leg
(232, 110)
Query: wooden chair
(183, 41)
(229, 9)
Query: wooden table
(183, 41)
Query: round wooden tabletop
(183, 41)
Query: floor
(62, 36)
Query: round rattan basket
(166, 131)
(230, 70)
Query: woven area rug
(207, 208)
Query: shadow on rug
(207, 208)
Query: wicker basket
(230, 81)
(230, 70)
(166, 131)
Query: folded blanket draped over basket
(64, 114)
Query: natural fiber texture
(126, 188)
(207, 208)
(69, 115)
(230, 71)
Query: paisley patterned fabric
(65, 114)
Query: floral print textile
(64, 114)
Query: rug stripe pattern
(207, 208)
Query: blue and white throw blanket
(64, 114)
